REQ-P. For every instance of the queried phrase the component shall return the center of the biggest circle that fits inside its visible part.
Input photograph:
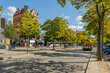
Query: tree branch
(97, 10)
(106, 10)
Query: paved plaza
(70, 60)
(59, 61)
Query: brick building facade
(19, 14)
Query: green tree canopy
(29, 26)
(83, 36)
(92, 24)
(55, 28)
(1, 8)
(69, 36)
(102, 8)
(9, 32)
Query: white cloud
(11, 10)
(78, 19)
(76, 27)
(67, 17)
(80, 23)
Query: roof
(23, 10)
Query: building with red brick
(19, 14)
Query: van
(87, 45)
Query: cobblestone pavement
(60, 61)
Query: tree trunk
(27, 48)
(53, 44)
(28, 45)
(37, 44)
(60, 43)
(29, 42)
(100, 32)
(102, 37)
(65, 45)
(99, 49)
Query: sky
(47, 9)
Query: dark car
(107, 51)
(106, 46)
(12, 46)
(2, 47)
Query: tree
(92, 24)
(80, 37)
(72, 36)
(9, 32)
(29, 27)
(1, 8)
(83, 36)
(55, 28)
(68, 36)
(102, 7)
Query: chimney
(25, 7)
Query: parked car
(88, 45)
(2, 47)
(55, 45)
(12, 46)
(107, 51)
(17, 44)
(106, 46)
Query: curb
(92, 66)
(108, 64)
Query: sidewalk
(98, 66)
(92, 67)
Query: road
(72, 60)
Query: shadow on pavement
(23, 50)
(35, 66)
(76, 51)
(61, 55)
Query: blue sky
(47, 9)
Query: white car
(55, 45)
